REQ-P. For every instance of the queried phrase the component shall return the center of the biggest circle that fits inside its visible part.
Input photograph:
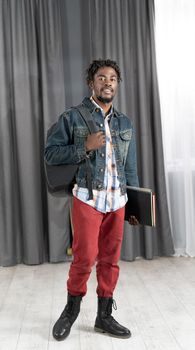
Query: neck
(105, 106)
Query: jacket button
(97, 110)
(101, 170)
(99, 186)
(101, 125)
(102, 154)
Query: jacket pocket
(81, 132)
(126, 135)
(80, 135)
(124, 141)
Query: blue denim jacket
(65, 145)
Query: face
(104, 84)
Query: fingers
(95, 141)
(133, 221)
(99, 138)
(102, 137)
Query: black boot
(105, 323)
(63, 325)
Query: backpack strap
(87, 116)
(89, 120)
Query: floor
(155, 299)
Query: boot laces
(114, 304)
(111, 304)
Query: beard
(105, 99)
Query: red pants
(97, 237)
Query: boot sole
(99, 330)
(62, 337)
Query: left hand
(133, 221)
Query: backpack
(60, 178)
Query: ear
(91, 85)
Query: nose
(108, 83)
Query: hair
(96, 64)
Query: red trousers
(97, 238)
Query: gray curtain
(45, 47)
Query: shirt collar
(98, 106)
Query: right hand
(95, 141)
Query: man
(98, 220)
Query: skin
(104, 87)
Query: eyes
(102, 78)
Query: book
(141, 204)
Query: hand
(95, 141)
(133, 221)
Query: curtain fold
(45, 47)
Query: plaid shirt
(110, 198)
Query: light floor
(155, 299)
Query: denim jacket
(65, 145)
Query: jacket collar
(90, 105)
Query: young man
(97, 219)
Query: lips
(107, 91)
